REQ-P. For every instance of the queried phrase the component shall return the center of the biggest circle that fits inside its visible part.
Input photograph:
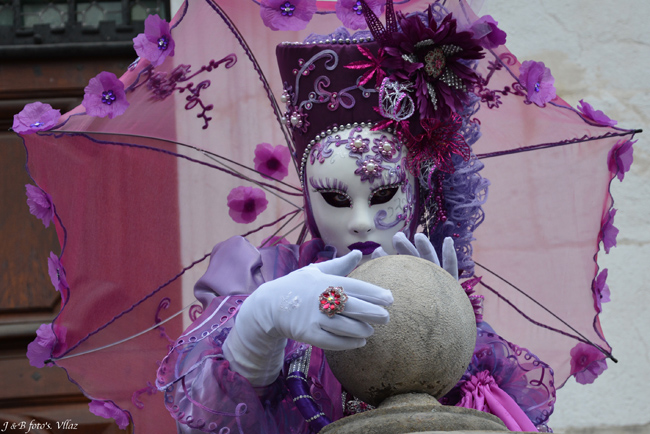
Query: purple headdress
(413, 78)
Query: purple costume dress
(203, 394)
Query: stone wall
(600, 51)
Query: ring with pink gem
(332, 300)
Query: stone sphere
(428, 342)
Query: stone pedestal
(415, 413)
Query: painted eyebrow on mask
(328, 184)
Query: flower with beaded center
(156, 43)
(287, 15)
(105, 96)
(35, 117)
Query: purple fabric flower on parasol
(608, 231)
(57, 274)
(601, 290)
(41, 349)
(104, 96)
(246, 203)
(272, 162)
(40, 204)
(434, 57)
(156, 43)
(35, 117)
(595, 116)
(108, 410)
(538, 81)
(350, 12)
(620, 158)
(587, 363)
(287, 14)
(485, 31)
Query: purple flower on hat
(246, 203)
(104, 96)
(485, 30)
(40, 204)
(34, 117)
(46, 342)
(538, 81)
(595, 116)
(156, 43)
(435, 58)
(601, 290)
(587, 363)
(620, 157)
(57, 274)
(287, 14)
(350, 12)
(608, 231)
(272, 162)
(108, 410)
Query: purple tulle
(518, 372)
(40, 204)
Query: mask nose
(361, 222)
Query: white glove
(288, 307)
(423, 249)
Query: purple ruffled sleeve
(201, 392)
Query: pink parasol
(140, 198)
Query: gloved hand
(423, 249)
(288, 307)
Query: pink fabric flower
(46, 342)
(485, 30)
(587, 363)
(620, 158)
(287, 14)
(35, 117)
(608, 231)
(104, 96)
(538, 81)
(108, 410)
(57, 274)
(156, 43)
(596, 116)
(350, 12)
(246, 203)
(272, 163)
(40, 204)
(601, 290)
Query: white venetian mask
(360, 192)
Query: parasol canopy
(141, 197)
